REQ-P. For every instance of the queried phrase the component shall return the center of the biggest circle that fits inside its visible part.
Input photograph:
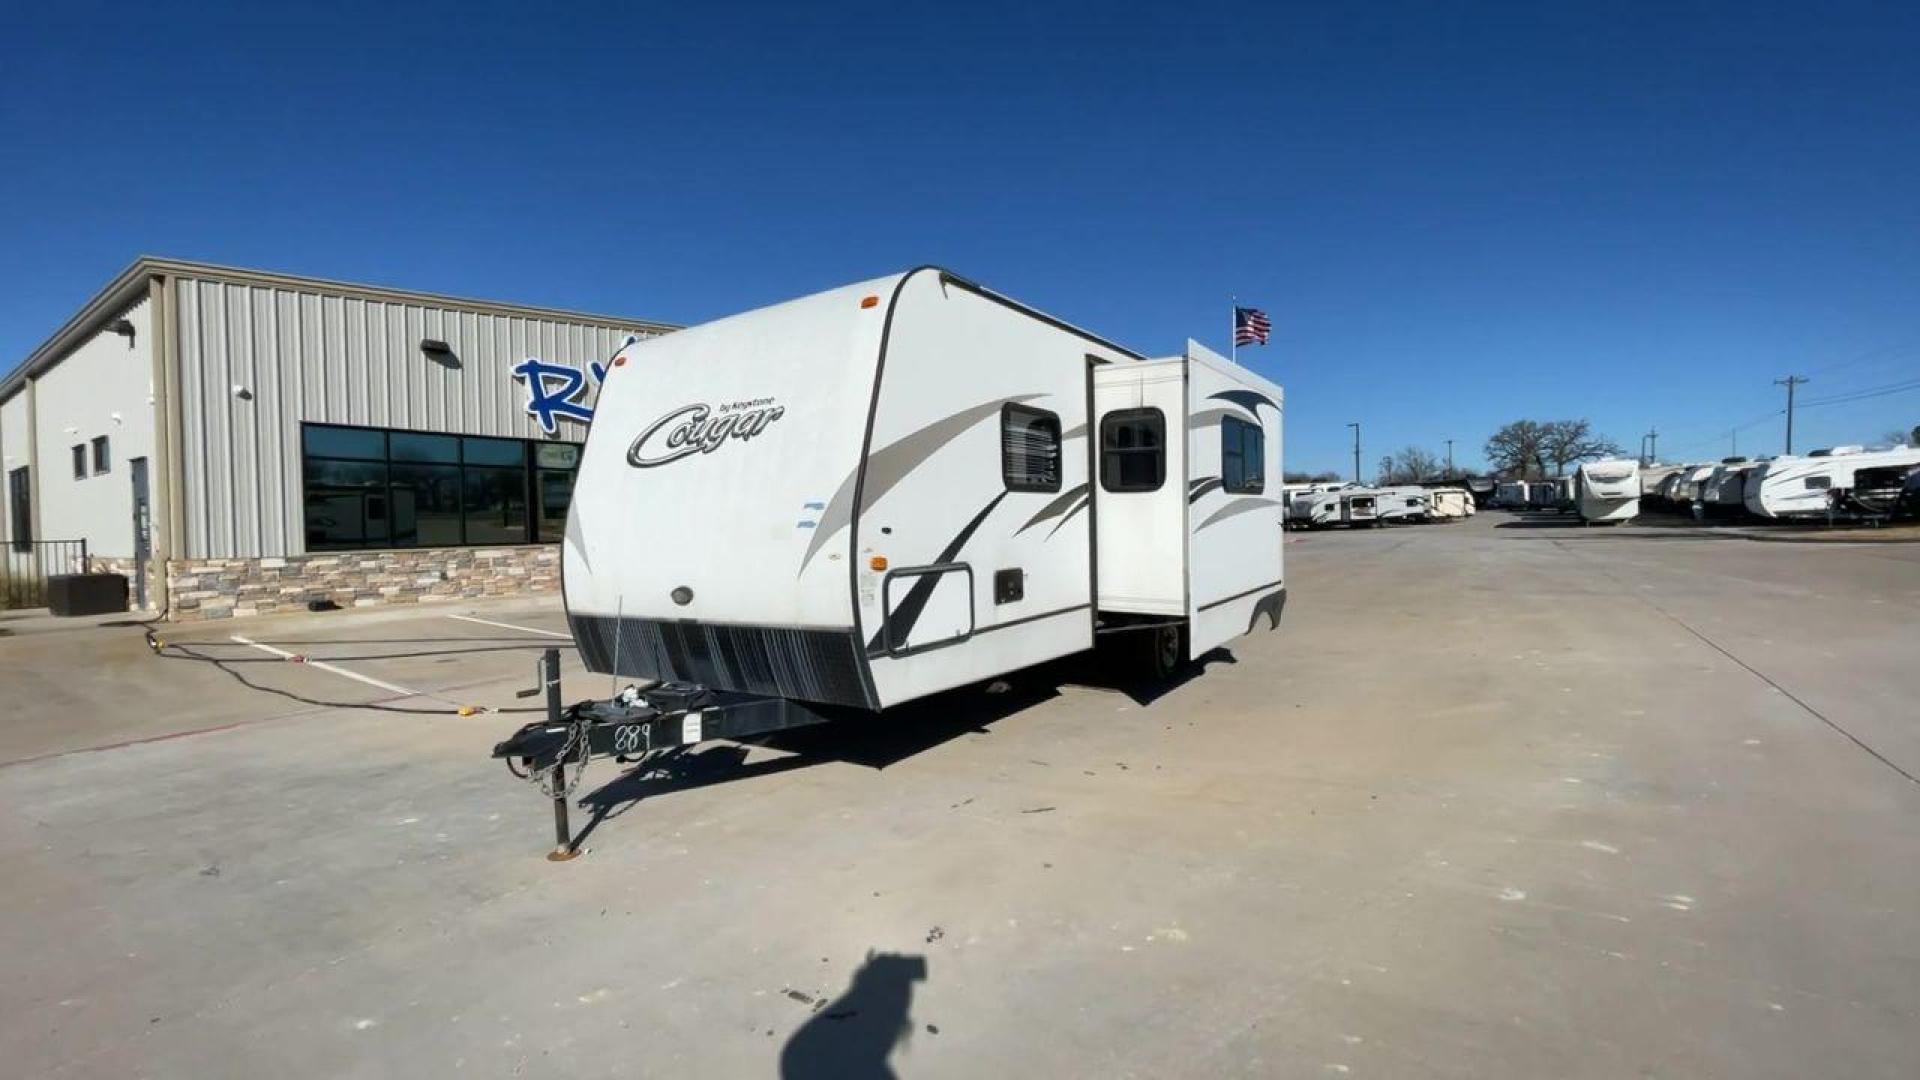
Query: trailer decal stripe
(1241, 595)
(891, 463)
(1235, 509)
(1250, 400)
(1201, 486)
(1079, 506)
(902, 618)
(1054, 508)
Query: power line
(1882, 353)
(1864, 394)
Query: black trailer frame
(631, 725)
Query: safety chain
(542, 779)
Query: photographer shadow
(852, 1036)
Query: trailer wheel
(1167, 651)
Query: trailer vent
(791, 662)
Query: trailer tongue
(627, 727)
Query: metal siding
(311, 356)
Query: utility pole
(1355, 425)
(1789, 382)
(1449, 460)
(1650, 447)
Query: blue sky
(1456, 214)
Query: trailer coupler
(627, 727)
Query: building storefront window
(369, 487)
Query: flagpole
(1233, 328)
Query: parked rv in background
(1359, 507)
(1403, 503)
(1511, 495)
(1608, 491)
(1787, 487)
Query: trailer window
(1029, 448)
(1133, 450)
(1243, 457)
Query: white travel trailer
(1653, 480)
(1316, 507)
(1788, 487)
(1555, 494)
(899, 487)
(1449, 504)
(1607, 490)
(1359, 507)
(1682, 489)
(1511, 495)
(1402, 503)
(1723, 493)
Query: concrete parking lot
(1501, 798)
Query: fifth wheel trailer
(906, 485)
(1607, 491)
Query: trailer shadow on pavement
(874, 742)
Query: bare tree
(1325, 477)
(1566, 442)
(1410, 466)
(1896, 437)
(1516, 450)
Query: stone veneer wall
(127, 567)
(223, 588)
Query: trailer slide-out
(845, 502)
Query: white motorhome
(906, 485)
(1788, 487)
(1607, 490)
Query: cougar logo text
(701, 429)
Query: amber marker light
(869, 301)
(877, 563)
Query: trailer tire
(1166, 651)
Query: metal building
(238, 441)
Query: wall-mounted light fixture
(124, 328)
(439, 352)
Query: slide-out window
(1243, 457)
(1029, 448)
(1133, 450)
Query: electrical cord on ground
(174, 651)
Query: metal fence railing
(25, 566)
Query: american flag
(1250, 326)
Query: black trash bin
(86, 594)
